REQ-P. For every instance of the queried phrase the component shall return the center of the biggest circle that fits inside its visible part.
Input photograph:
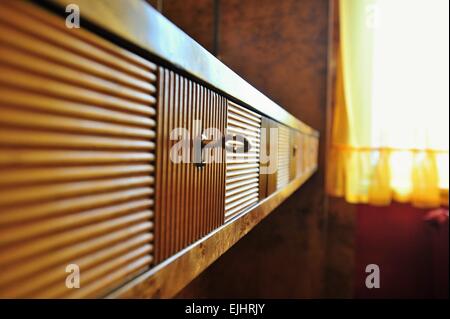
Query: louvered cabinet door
(309, 152)
(304, 151)
(189, 194)
(242, 165)
(296, 155)
(284, 156)
(300, 170)
(77, 142)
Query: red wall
(412, 254)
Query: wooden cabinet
(120, 152)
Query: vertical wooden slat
(175, 171)
(208, 124)
(190, 168)
(160, 160)
(181, 169)
(201, 199)
(198, 195)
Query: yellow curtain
(389, 138)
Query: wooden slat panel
(284, 155)
(294, 154)
(189, 200)
(271, 155)
(77, 146)
(298, 158)
(242, 183)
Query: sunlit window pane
(410, 100)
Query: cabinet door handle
(234, 147)
(205, 143)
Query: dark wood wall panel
(196, 17)
(189, 199)
(77, 130)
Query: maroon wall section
(280, 47)
(412, 254)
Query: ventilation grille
(189, 199)
(242, 183)
(299, 154)
(77, 133)
(283, 156)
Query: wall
(280, 47)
